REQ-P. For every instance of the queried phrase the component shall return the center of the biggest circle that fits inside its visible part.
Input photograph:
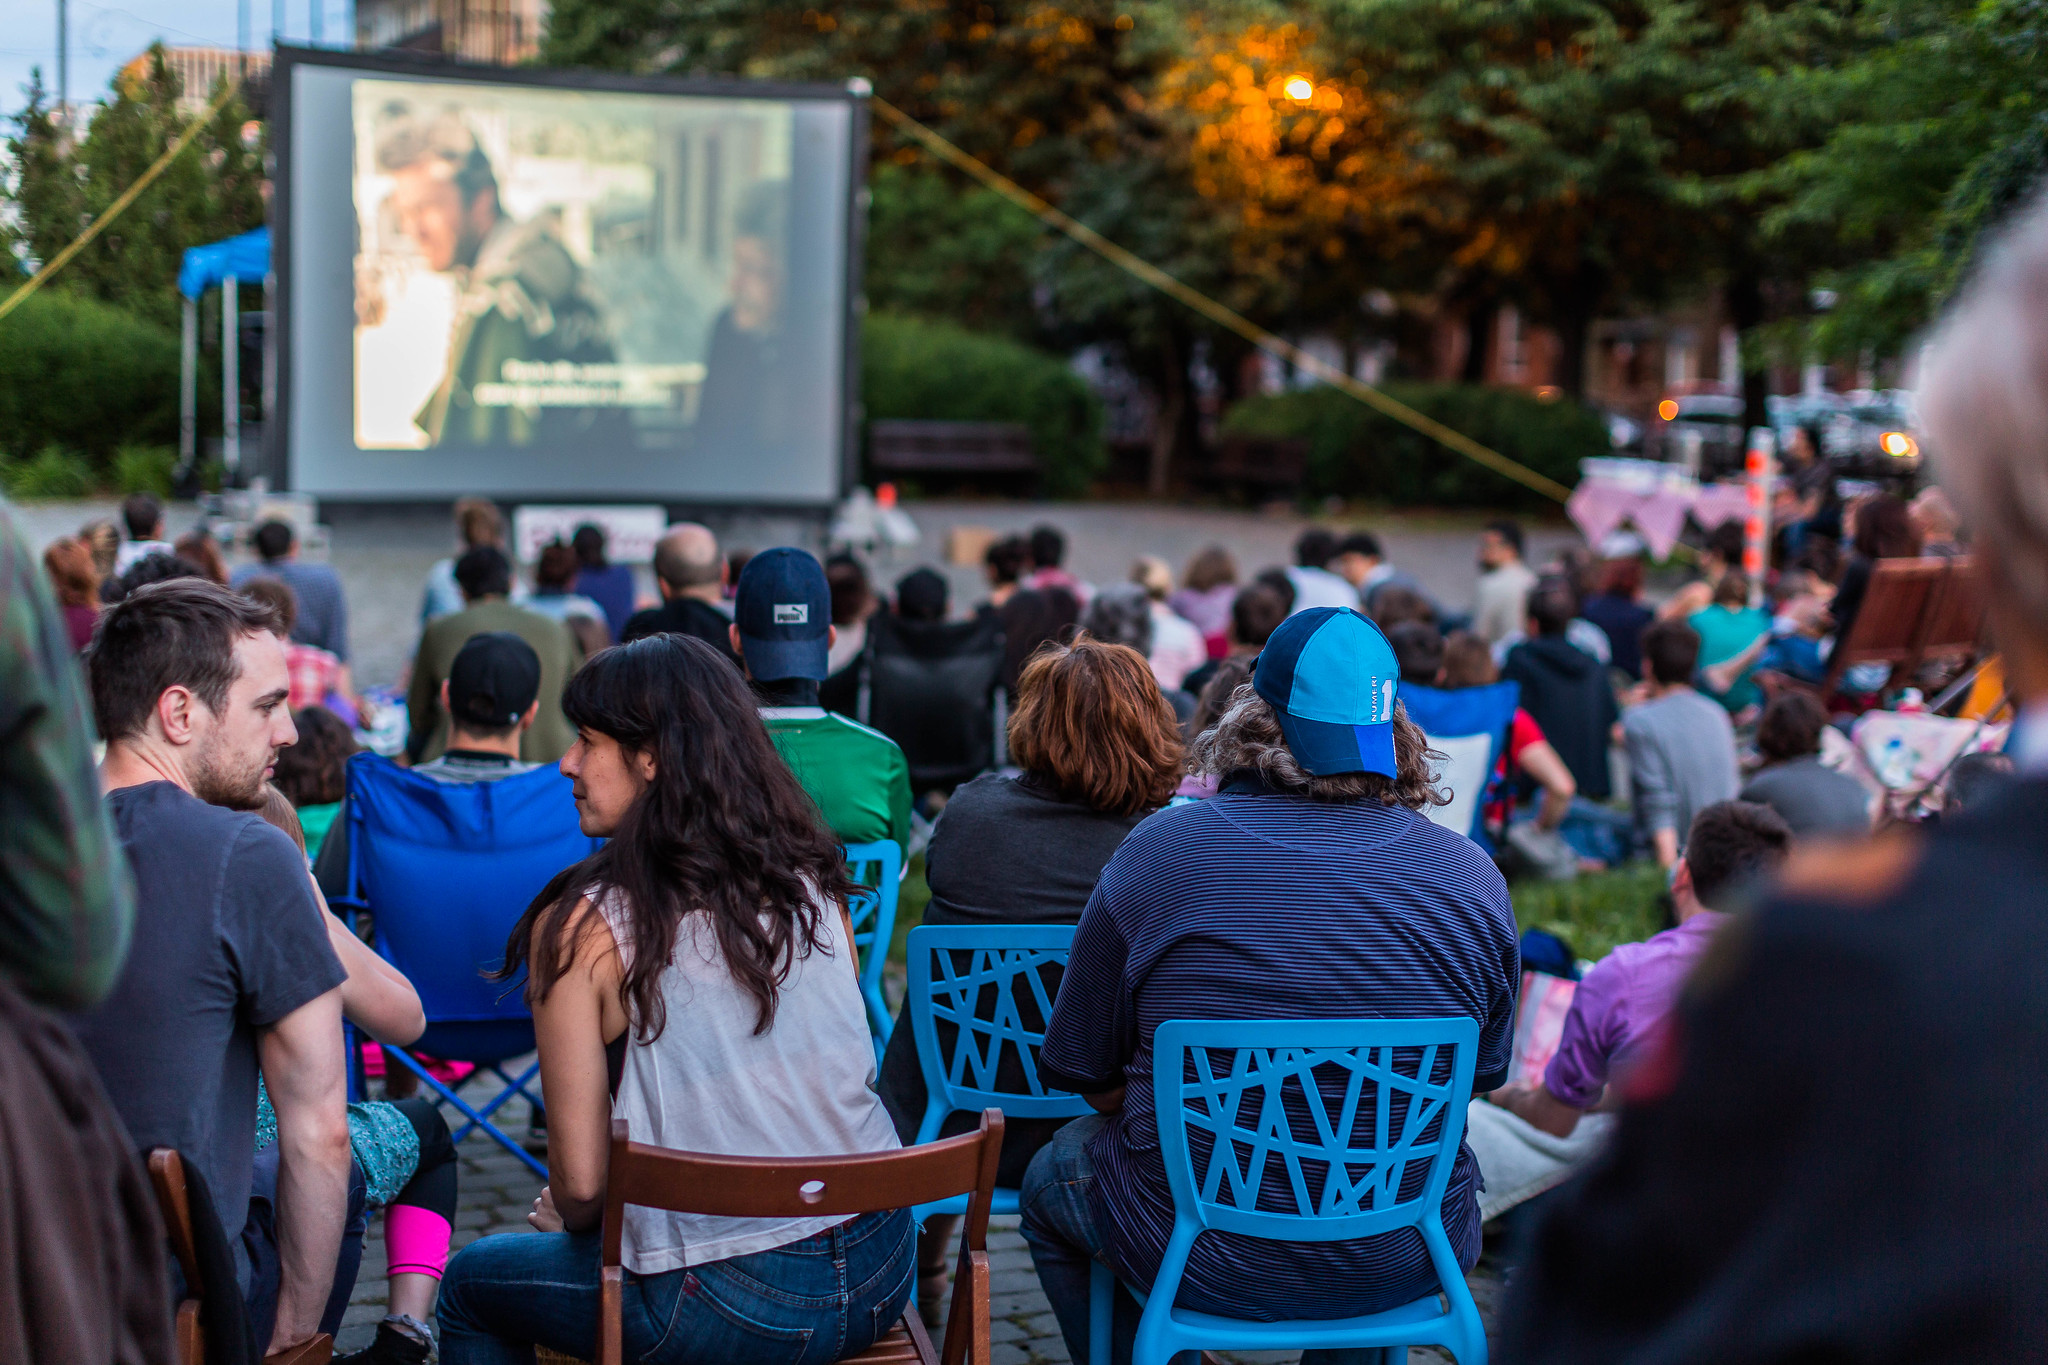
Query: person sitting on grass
(1812, 798)
(708, 939)
(1681, 748)
(1729, 629)
(1619, 1012)
(1311, 886)
(1099, 752)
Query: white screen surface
(518, 290)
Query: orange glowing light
(1301, 90)
(1898, 444)
(1668, 409)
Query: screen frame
(277, 453)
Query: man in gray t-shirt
(1681, 748)
(230, 968)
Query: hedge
(85, 376)
(919, 369)
(1356, 452)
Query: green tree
(1918, 125)
(1569, 153)
(213, 190)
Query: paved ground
(383, 556)
(497, 1191)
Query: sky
(103, 36)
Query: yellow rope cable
(1217, 312)
(120, 205)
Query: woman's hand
(544, 1218)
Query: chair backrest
(211, 1323)
(1956, 619)
(1894, 608)
(987, 985)
(1470, 726)
(799, 1187)
(446, 869)
(1311, 1130)
(879, 867)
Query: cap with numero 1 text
(495, 676)
(1330, 677)
(784, 612)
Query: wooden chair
(167, 1174)
(174, 1202)
(806, 1187)
(1888, 627)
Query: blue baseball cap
(1330, 677)
(784, 612)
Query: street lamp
(1300, 89)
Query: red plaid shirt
(313, 671)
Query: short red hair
(1092, 723)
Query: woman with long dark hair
(703, 957)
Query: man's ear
(444, 694)
(732, 633)
(525, 721)
(831, 636)
(177, 711)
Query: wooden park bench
(916, 447)
(1257, 465)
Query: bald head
(687, 562)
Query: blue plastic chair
(1367, 1088)
(967, 975)
(445, 870)
(1466, 713)
(879, 867)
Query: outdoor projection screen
(562, 284)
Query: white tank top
(711, 1084)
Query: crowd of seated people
(1218, 784)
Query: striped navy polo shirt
(1259, 905)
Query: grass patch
(1594, 913)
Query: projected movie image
(575, 273)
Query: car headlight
(1898, 445)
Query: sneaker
(391, 1347)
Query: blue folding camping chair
(1470, 726)
(966, 981)
(1306, 1130)
(878, 867)
(445, 870)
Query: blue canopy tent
(241, 260)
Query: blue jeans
(1597, 831)
(1066, 1240)
(807, 1303)
(266, 1270)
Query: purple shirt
(1621, 1004)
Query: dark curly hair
(723, 830)
(1247, 736)
(314, 771)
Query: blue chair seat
(1310, 1130)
